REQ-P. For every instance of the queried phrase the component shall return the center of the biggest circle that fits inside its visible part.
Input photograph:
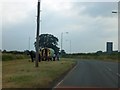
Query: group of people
(56, 57)
(45, 57)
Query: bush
(7, 57)
(102, 56)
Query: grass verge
(21, 73)
(104, 57)
(10, 56)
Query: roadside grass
(23, 74)
(109, 58)
(10, 56)
(0, 74)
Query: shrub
(7, 57)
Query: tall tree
(49, 41)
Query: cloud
(15, 35)
(14, 13)
(96, 8)
(89, 25)
(84, 22)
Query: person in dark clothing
(39, 58)
(57, 56)
(54, 56)
(32, 55)
(45, 54)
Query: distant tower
(109, 47)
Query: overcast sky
(89, 24)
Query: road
(91, 74)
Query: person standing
(54, 57)
(57, 56)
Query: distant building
(109, 47)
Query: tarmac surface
(92, 74)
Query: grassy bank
(0, 74)
(21, 73)
(104, 57)
(10, 56)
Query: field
(0, 74)
(11, 56)
(18, 72)
(104, 57)
(23, 74)
(0, 70)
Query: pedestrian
(54, 57)
(57, 56)
(32, 55)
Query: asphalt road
(92, 74)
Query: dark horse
(33, 55)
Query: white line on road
(59, 83)
(65, 77)
(109, 69)
(118, 74)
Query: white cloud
(85, 27)
(0, 27)
(14, 13)
(61, 16)
(61, 7)
(92, 32)
(95, 0)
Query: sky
(90, 24)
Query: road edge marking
(65, 76)
(113, 72)
(118, 74)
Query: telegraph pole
(70, 46)
(61, 40)
(37, 35)
(29, 44)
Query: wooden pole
(37, 35)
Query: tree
(49, 41)
(63, 52)
(4, 51)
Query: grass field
(102, 57)
(0, 74)
(23, 74)
(10, 56)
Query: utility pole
(29, 44)
(37, 35)
(70, 46)
(61, 41)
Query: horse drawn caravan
(46, 54)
